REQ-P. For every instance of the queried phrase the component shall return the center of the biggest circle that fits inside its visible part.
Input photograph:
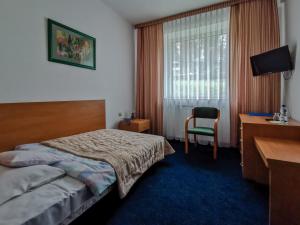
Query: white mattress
(58, 202)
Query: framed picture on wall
(69, 46)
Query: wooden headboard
(22, 123)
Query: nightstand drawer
(145, 125)
(136, 125)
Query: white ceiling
(138, 11)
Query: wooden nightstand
(135, 125)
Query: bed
(68, 129)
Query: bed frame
(31, 122)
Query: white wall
(293, 39)
(27, 75)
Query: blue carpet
(188, 189)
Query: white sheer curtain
(196, 71)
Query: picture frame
(69, 46)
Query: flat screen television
(276, 60)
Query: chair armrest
(216, 122)
(186, 125)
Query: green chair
(204, 113)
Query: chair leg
(186, 143)
(215, 148)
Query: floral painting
(70, 46)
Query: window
(196, 57)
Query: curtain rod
(192, 12)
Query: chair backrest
(205, 112)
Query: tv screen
(276, 60)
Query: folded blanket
(129, 153)
(96, 175)
(17, 181)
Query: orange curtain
(149, 80)
(254, 28)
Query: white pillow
(15, 182)
(27, 158)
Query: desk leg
(284, 206)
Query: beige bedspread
(129, 153)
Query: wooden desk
(282, 158)
(135, 125)
(252, 164)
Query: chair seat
(207, 131)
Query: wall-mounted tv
(276, 60)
